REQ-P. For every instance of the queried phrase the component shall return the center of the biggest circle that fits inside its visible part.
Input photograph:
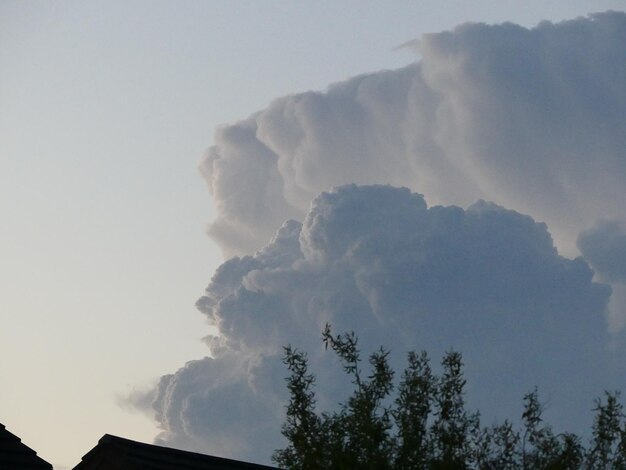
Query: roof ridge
(136, 454)
(14, 454)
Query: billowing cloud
(604, 246)
(486, 280)
(531, 118)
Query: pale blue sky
(105, 111)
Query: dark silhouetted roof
(17, 456)
(116, 453)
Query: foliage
(426, 425)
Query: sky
(115, 216)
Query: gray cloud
(604, 246)
(531, 118)
(485, 280)
(215, 406)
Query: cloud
(604, 246)
(485, 280)
(531, 118)
(137, 400)
(213, 405)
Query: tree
(608, 447)
(426, 425)
(451, 430)
(302, 426)
(412, 411)
(541, 449)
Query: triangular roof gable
(15, 455)
(117, 453)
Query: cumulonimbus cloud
(486, 280)
(604, 246)
(530, 118)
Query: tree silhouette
(426, 425)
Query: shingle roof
(116, 453)
(14, 455)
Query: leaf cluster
(425, 424)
